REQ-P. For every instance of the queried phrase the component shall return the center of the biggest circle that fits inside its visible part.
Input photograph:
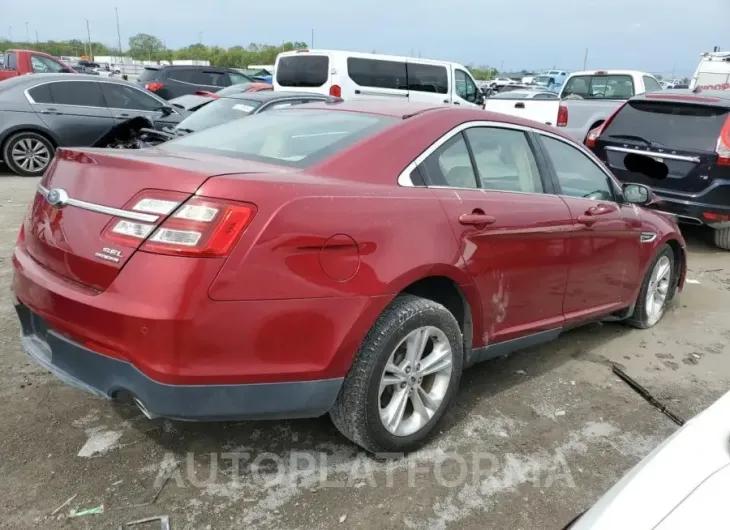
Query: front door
(512, 233)
(74, 110)
(604, 247)
(126, 101)
(464, 92)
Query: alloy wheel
(30, 155)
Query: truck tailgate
(541, 111)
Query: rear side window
(599, 87)
(428, 78)
(670, 124)
(211, 78)
(11, 61)
(450, 165)
(303, 70)
(378, 74)
(298, 138)
(78, 93)
(41, 94)
(185, 75)
(148, 74)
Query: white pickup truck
(585, 101)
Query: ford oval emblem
(57, 198)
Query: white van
(713, 73)
(352, 75)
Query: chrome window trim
(655, 154)
(404, 178)
(130, 85)
(108, 210)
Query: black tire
(722, 238)
(641, 318)
(356, 410)
(14, 140)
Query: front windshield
(542, 79)
(217, 112)
(511, 95)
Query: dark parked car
(678, 143)
(174, 81)
(199, 98)
(41, 112)
(350, 258)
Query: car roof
(710, 98)
(395, 109)
(364, 55)
(270, 95)
(37, 79)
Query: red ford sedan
(347, 258)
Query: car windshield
(599, 87)
(542, 79)
(295, 137)
(148, 74)
(217, 112)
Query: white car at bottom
(683, 484)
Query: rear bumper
(105, 376)
(690, 211)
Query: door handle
(587, 220)
(446, 101)
(519, 105)
(457, 103)
(49, 111)
(476, 219)
(122, 116)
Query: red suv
(341, 258)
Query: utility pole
(501, 67)
(119, 34)
(585, 60)
(36, 36)
(312, 43)
(88, 36)
(200, 37)
(27, 33)
(10, 32)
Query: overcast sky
(653, 35)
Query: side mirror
(638, 194)
(167, 110)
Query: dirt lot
(531, 441)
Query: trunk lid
(69, 240)
(669, 145)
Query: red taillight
(562, 116)
(199, 227)
(153, 87)
(336, 91)
(716, 217)
(723, 144)
(593, 134)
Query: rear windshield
(217, 112)
(234, 89)
(295, 137)
(599, 87)
(303, 70)
(148, 74)
(669, 124)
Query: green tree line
(150, 48)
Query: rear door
(604, 239)
(428, 83)
(74, 110)
(678, 137)
(512, 229)
(376, 79)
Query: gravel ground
(532, 440)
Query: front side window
(450, 165)
(11, 61)
(78, 93)
(599, 87)
(378, 74)
(44, 65)
(578, 175)
(303, 70)
(297, 138)
(504, 160)
(183, 74)
(119, 96)
(210, 78)
(428, 78)
(236, 78)
(651, 84)
(465, 87)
